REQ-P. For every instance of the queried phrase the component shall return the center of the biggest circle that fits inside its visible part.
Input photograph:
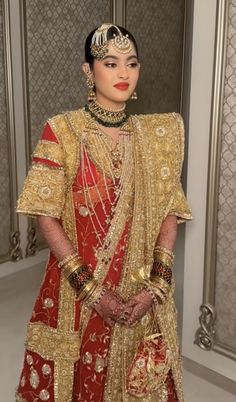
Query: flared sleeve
(44, 187)
(179, 205)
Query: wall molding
(15, 252)
(210, 261)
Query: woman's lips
(122, 86)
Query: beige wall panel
(158, 26)
(225, 295)
(55, 32)
(5, 206)
(9, 230)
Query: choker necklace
(106, 117)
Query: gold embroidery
(98, 154)
(22, 381)
(44, 395)
(29, 359)
(43, 192)
(46, 369)
(64, 369)
(155, 156)
(158, 145)
(34, 379)
(19, 398)
(179, 206)
(50, 151)
(51, 343)
(48, 302)
(63, 380)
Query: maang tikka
(99, 43)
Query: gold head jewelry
(99, 43)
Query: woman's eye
(133, 65)
(110, 65)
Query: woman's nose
(123, 72)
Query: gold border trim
(15, 252)
(214, 166)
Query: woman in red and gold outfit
(105, 188)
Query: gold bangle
(163, 258)
(96, 295)
(71, 267)
(91, 290)
(67, 259)
(164, 250)
(162, 285)
(87, 289)
(159, 294)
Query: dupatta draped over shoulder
(152, 191)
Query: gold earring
(91, 93)
(134, 96)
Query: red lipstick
(122, 86)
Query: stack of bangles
(81, 279)
(161, 275)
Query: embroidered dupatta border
(148, 215)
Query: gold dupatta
(158, 155)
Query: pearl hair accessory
(99, 43)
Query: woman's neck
(109, 105)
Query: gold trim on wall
(15, 252)
(214, 175)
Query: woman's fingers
(134, 316)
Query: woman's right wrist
(79, 276)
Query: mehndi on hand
(110, 307)
(140, 304)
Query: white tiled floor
(17, 294)
(199, 390)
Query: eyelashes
(130, 65)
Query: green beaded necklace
(106, 117)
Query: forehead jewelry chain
(99, 43)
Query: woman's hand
(111, 307)
(140, 305)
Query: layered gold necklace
(115, 164)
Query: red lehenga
(69, 358)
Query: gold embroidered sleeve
(43, 192)
(179, 206)
(50, 151)
(44, 187)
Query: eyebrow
(117, 58)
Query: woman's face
(115, 77)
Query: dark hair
(111, 31)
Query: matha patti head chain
(99, 43)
